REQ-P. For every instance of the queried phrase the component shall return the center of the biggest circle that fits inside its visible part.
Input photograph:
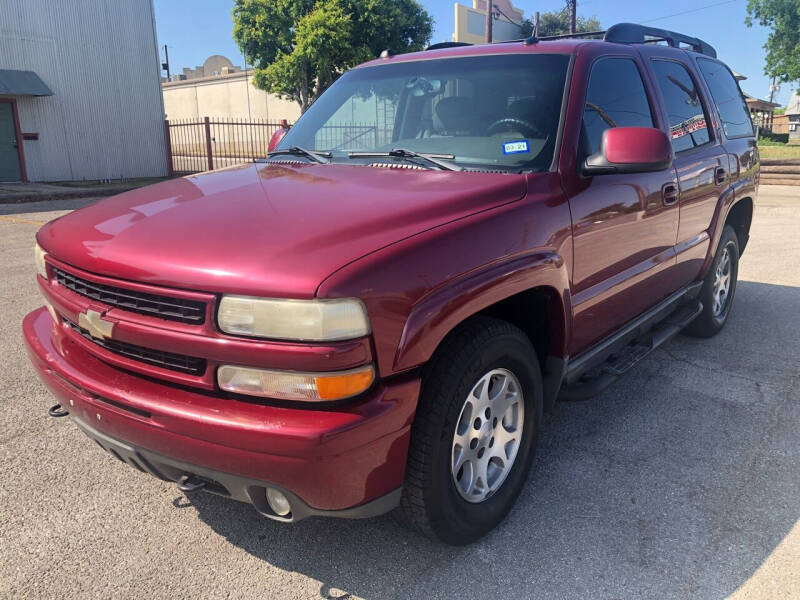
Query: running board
(623, 360)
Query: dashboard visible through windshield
(481, 112)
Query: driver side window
(616, 97)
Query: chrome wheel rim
(488, 435)
(722, 283)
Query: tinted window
(728, 97)
(687, 121)
(615, 98)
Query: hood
(265, 229)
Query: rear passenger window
(687, 121)
(615, 98)
(728, 97)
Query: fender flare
(727, 201)
(442, 309)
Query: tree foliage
(557, 23)
(298, 48)
(783, 43)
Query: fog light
(278, 502)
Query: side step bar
(591, 374)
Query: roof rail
(630, 33)
(442, 45)
(579, 34)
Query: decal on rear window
(516, 147)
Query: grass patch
(769, 149)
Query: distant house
(79, 91)
(793, 115)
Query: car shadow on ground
(680, 480)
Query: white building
(80, 91)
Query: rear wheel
(718, 288)
(473, 437)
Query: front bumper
(347, 461)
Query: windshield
(487, 112)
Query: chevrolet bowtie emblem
(93, 322)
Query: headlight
(290, 385)
(300, 320)
(39, 255)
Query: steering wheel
(526, 128)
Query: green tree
(298, 48)
(557, 22)
(783, 43)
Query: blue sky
(194, 30)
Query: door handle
(719, 175)
(669, 194)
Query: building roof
(758, 104)
(22, 83)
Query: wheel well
(740, 217)
(538, 313)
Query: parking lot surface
(681, 480)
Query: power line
(686, 12)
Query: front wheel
(474, 434)
(718, 288)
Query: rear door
(9, 152)
(701, 162)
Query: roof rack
(630, 33)
(442, 45)
(621, 33)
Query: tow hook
(190, 483)
(57, 411)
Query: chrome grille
(158, 358)
(192, 312)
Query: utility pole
(536, 24)
(165, 64)
(772, 89)
(572, 15)
(488, 21)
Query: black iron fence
(195, 145)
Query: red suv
(378, 314)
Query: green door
(9, 154)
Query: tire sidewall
(729, 241)
(464, 520)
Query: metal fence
(195, 145)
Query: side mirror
(630, 150)
(277, 136)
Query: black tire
(430, 503)
(709, 322)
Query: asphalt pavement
(682, 480)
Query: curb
(22, 198)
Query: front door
(9, 152)
(624, 226)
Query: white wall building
(80, 91)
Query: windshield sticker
(516, 147)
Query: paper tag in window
(516, 147)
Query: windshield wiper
(439, 160)
(315, 155)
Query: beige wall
(224, 97)
(470, 24)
